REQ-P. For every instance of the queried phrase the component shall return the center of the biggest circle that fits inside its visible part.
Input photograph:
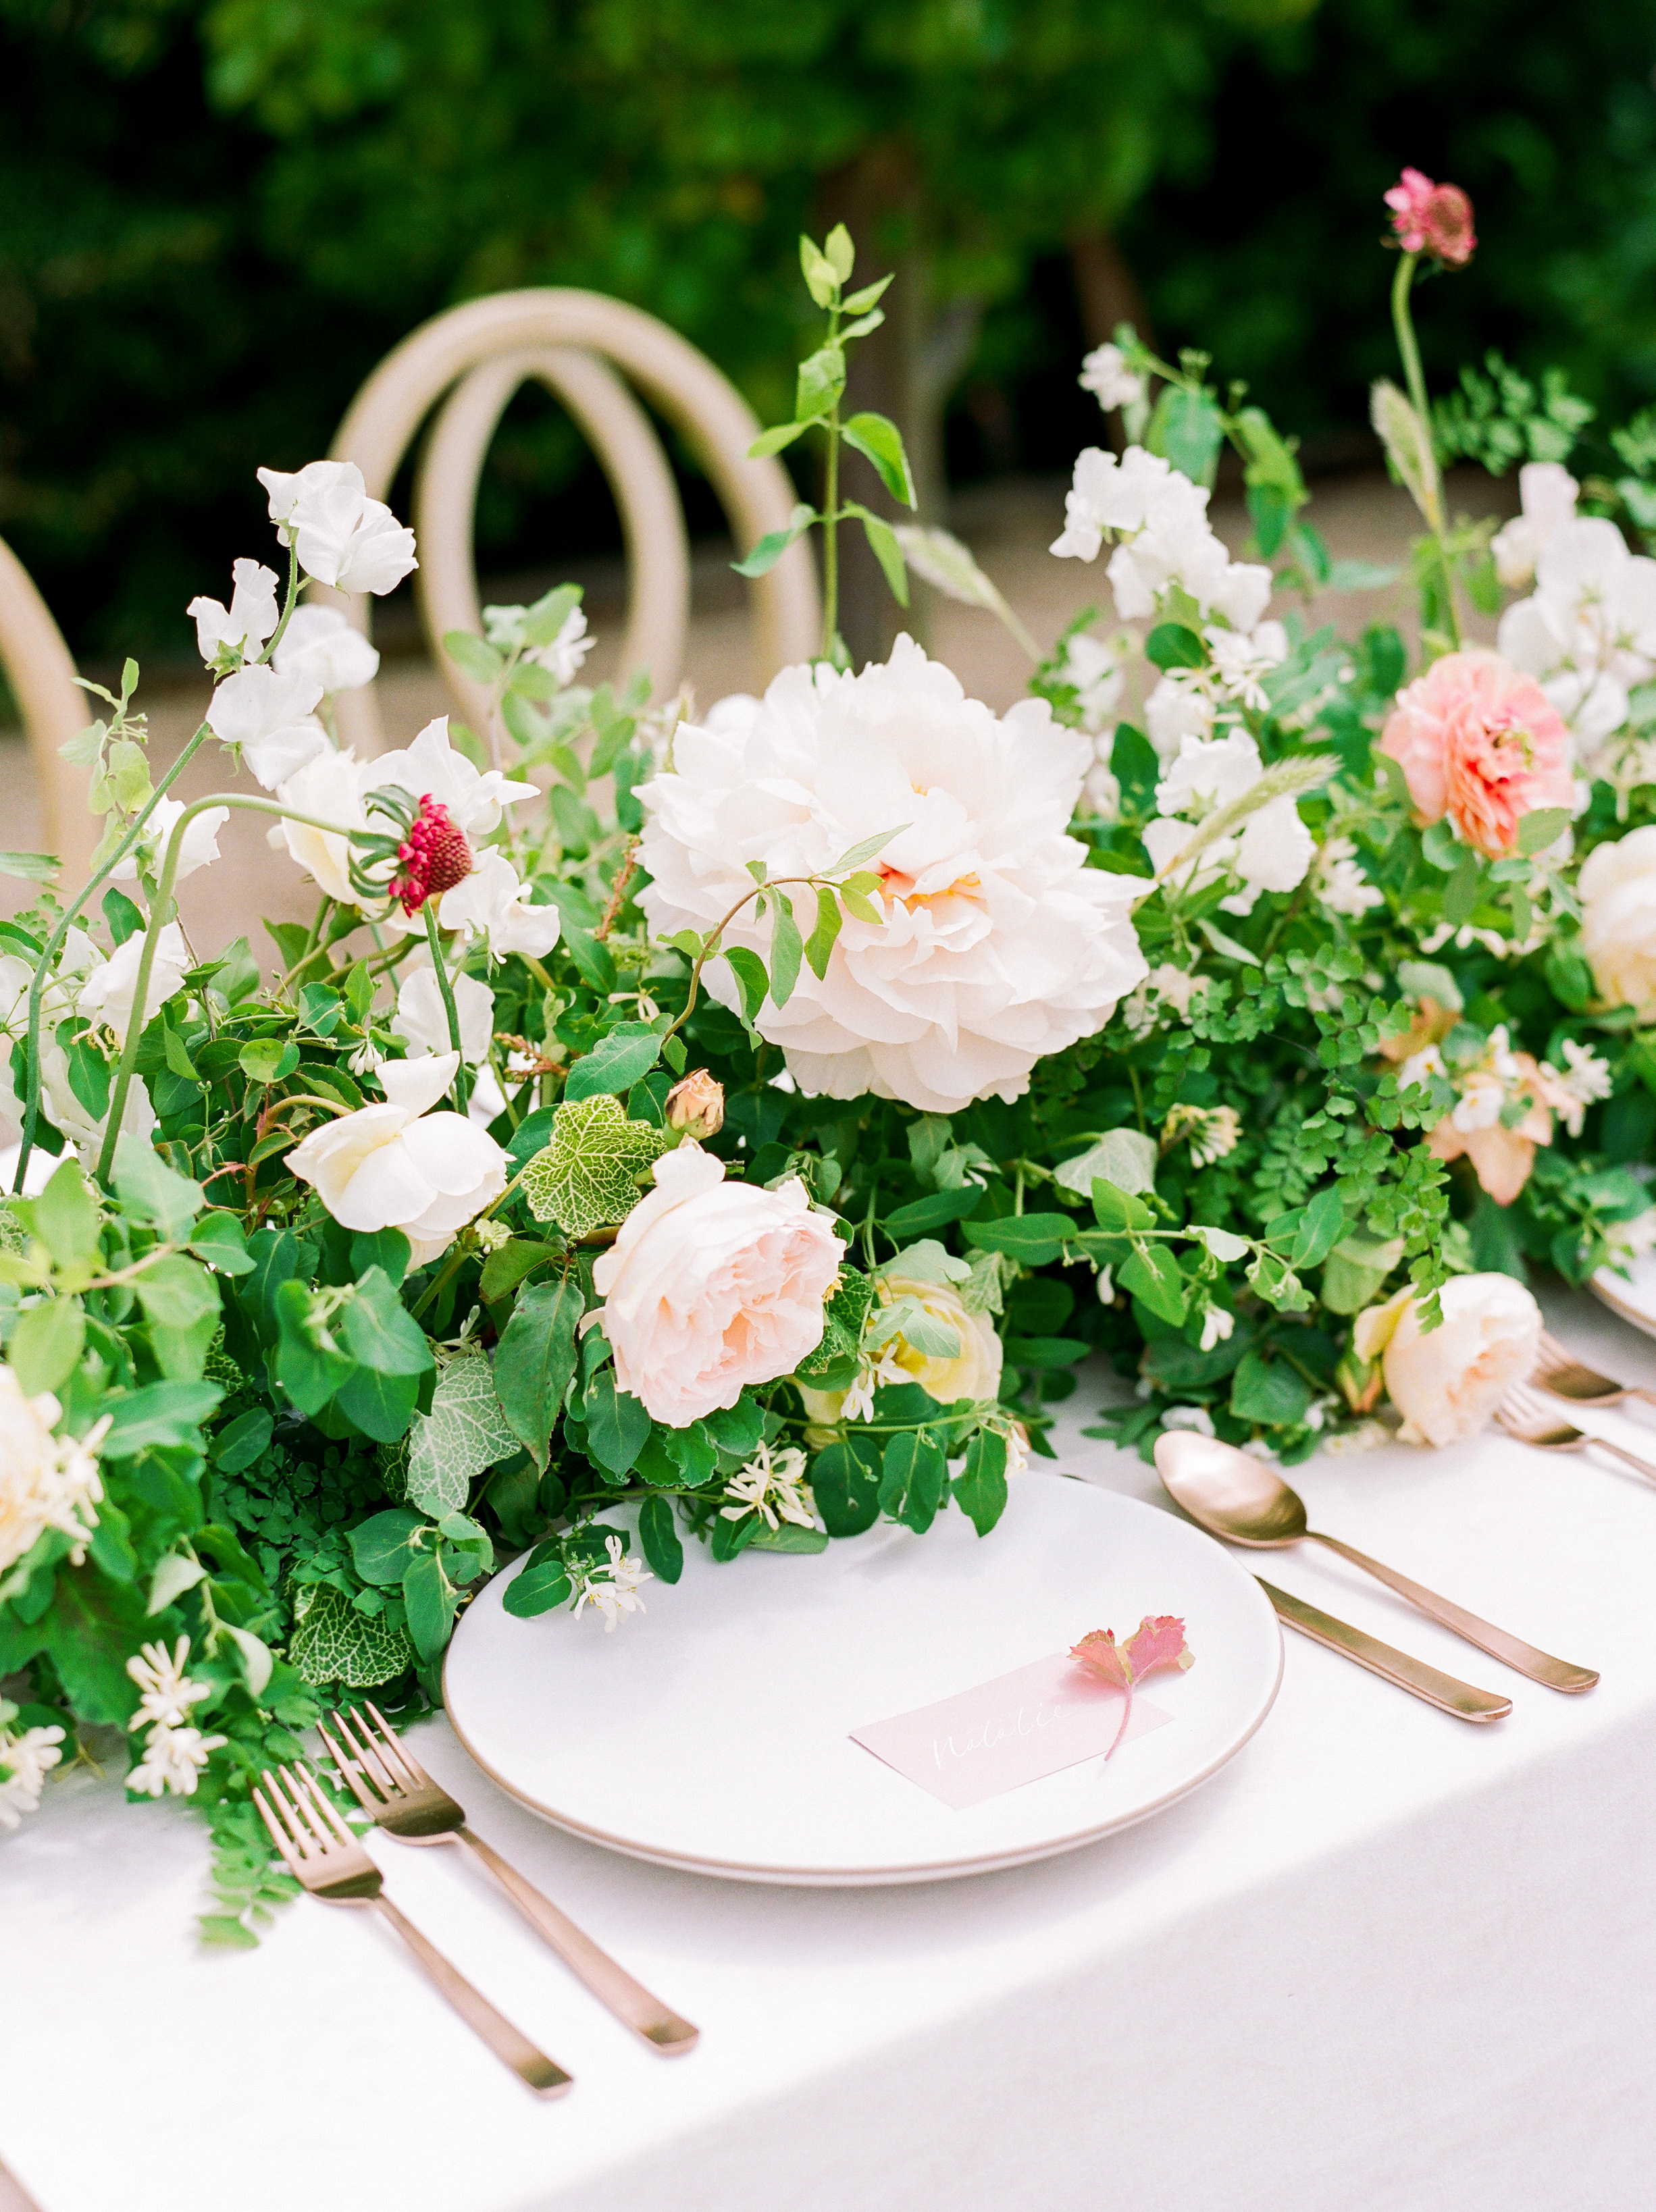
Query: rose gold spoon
(1238, 1497)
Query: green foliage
(592, 1170)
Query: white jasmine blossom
(1586, 1080)
(173, 1761)
(1272, 849)
(321, 645)
(1241, 660)
(1197, 1418)
(1017, 1444)
(225, 637)
(176, 1750)
(1105, 375)
(26, 1756)
(773, 1486)
(612, 1589)
(1340, 885)
(1216, 1326)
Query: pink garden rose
(1434, 219)
(1480, 744)
(710, 1286)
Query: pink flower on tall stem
(1480, 744)
(1434, 219)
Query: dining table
(1382, 1961)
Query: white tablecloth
(1385, 1962)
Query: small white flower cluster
(561, 658)
(1584, 1080)
(1105, 375)
(773, 1486)
(176, 1750)
(1213, 1133)
(1164, 996)
(1161, 520)
(611, 1588)
(46, 1482)
(1588, 629)
(884, 1369)
(1270, 851)
(1340, 885)
(26, 1756)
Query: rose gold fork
(1564, 1375)
(389, 1782)
(320, 1850)
(1525, 1414)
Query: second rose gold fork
(390, 1784)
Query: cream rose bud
(975, 1369)
(711, 1285)
(696, 1104)
(1448, 1381)
(401, 1166)
(1617, 888)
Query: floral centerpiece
(731, 1130)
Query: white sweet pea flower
(1097, 674)
(422, 1021)
(475, 797)
(402, 1166)
(320, 646)
(330, 786)
(1342, 887)
(1105, 375)
(1241, 658)
(1271, 851)
(84, 1129)
(995, 944)
(1548, 493)
(343, 536)
(107, 996)
(226, 636)
(198, 848)
(493, 903)
(268, 715)
(1178, 708)
(1588, 631)
(561, 658)
(1161, 519)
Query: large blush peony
(710, 1286)
(1480, 744)
(1617, 885)
(997, 945)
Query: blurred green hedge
(215, 218)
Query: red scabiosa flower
(431, 859)
(1434, 219)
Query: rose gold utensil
(389, 1782)
(1238, 1497)
(320, 1851)
(1448, 1694)
(1564, 1375)
(1527, 1416)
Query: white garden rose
(330, 786)
(975, 1369)
(1617, 888)
(401, 1166)
(996, 944)
(1448, 1381)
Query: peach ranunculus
(1446, 1381)
(1480, 744)
(1501, 1150)
(710, 1286)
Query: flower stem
(462, 1086)
(163, 902)
(830, 519)
(1402, 322)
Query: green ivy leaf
(616, 1424)
(465, 1432)
(331, 1641)
(589, 1172)
(845, 1483)
(914, 1475)
(616, 1062)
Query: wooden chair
(574, 343)
(41, 674)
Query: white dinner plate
(1633, 1295)
(712, 1732)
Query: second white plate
(712, 1733)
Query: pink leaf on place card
(1158, 1641)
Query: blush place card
(1049, 1715)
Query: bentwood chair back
(587, 350)
(42, 675)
